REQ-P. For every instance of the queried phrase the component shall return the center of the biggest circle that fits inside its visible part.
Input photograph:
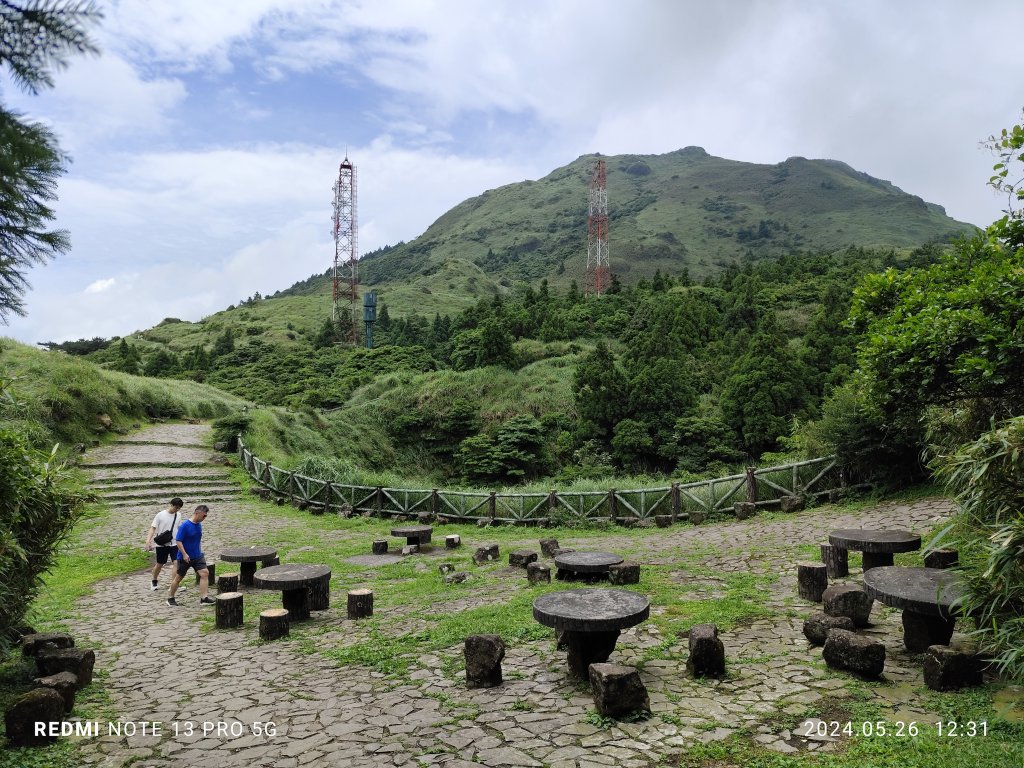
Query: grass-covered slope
(681, 209)
(61, 398)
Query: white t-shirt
(163, 522)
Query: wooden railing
(761, 486)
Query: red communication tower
(346, 246)
(598, 271)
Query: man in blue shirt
(190, 555)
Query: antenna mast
(598, 272)
(346, 246)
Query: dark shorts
(163, 554)
(199, 563)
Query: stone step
(154, 505)
(152, 473)
(165, 493)
(117, 486)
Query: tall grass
(60, 397)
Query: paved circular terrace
(163, 665)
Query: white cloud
(99, 286)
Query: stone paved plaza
(169, 665)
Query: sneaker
(207, 601)
(154, 587)
(171, 601)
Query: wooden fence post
(751, 485)
(435, 502)
(613, 505)
(492, 505)
(552, 504)
(676, 501)
(378, 501)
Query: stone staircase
(143, 472)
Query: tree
(601, 392)
(35, 38)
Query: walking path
(163, 666)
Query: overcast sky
(206, 137)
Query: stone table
(925, 595)
(587, 565)
(589, 621)
(878, 546)
(247, 557)
(303, 587)
(414, 534)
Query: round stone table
(589, 621)
(247, 557)
(414, 534)
(303, 587)
(586, 565)
(878, 546)
(925, 595)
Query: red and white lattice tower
(598, 272)
(346, 247)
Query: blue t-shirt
(190, 534)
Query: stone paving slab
(163, 668)
(123, 454)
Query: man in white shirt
(162, 533)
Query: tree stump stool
(941, 558)
(360, 603)
(663, 521)
(618, 690)
(811, 580)
(270, 562)
(848, 600)
(274, 624)
(380, 547)
(40, 705)
(227, 582)
(950, 669)
(521, 558)
(857, 653)
(707, 652)
(33, 644)
(64, 683)
(538, 574)
(624, 573)
(486, 554)
(229, 610)
(483, 660)
(452, 541)
(697, 516)
(410, 549)
(836, 560)
(818, 625)
(320, 593)
(744, 509)
(549, 547)
(79, 661)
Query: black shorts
(163, 554)
(199, 563)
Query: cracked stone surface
(163, 667)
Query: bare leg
(175, 581)
(204, 582)
(156, 571)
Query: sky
(206, 136)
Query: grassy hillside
(681, 209)
(685, 209)
(60, 398)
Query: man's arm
(149, 538)
(181, 549)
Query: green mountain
(684, 209)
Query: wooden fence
(761, 486)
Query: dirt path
(163, 668)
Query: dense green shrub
(38, 508)
(987, 479)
